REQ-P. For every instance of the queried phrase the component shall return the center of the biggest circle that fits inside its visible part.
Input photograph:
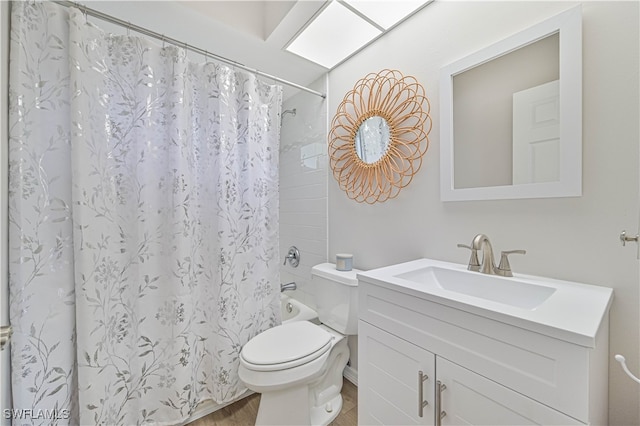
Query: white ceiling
(268, 25)
(253, 33)
(258, 18)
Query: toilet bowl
(298, 366)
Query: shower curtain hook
(84, 12)
(128, 28)
(163, 41)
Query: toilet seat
(285, 346)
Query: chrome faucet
(488, 266)
(481, 242)
(289, 286)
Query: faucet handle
(474, 264)
(293, 256)
(504, 268)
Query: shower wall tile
(300, 179)
(303, 190)
(302, 193)
(307, 205)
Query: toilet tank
(336, 294)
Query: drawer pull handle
(440, 413)
(421, 402)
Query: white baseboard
(351, 375)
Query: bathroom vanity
(442, 345)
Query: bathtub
(294, 310)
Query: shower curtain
(143, 223)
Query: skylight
(333, 35)
(386, 13)
(343, 27)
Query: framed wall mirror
(379, 135)
(511, 116)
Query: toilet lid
(286, 346)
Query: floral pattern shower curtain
(143, 222)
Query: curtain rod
(112, 19)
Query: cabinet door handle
(421, 402)
(439, 412)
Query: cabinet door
(471, 399)
(390, 391)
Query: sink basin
(509, 291)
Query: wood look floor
(244, 412)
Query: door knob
(624, 239)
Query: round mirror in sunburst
(379, 135)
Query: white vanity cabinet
(468, 398)
(493, 372)
(394, 379)
(397, 378)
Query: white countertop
(573, 313)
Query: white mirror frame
(569, 26)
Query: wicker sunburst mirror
(379, 135)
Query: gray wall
(572, 238)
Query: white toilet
(297, 367)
